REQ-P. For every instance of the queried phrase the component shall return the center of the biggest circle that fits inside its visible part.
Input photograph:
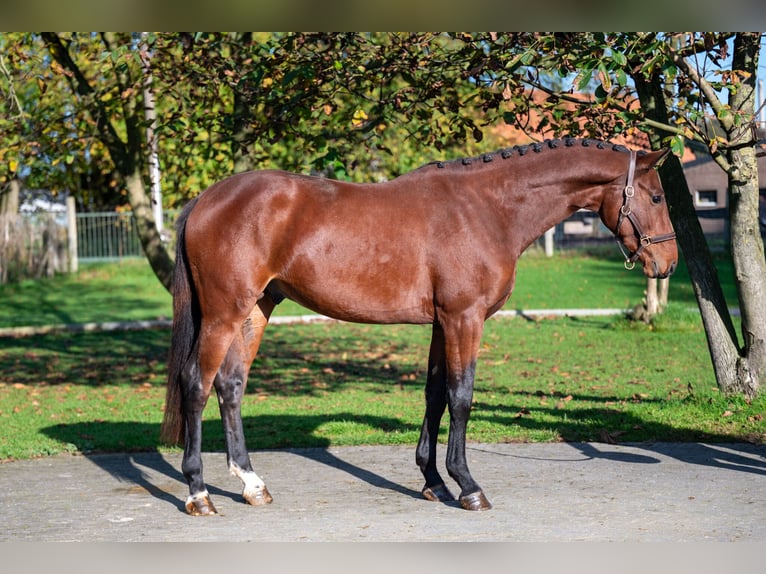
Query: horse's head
(638, 215)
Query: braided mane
(521, 150)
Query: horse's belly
(354, 302)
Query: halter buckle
(646, 241)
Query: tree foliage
(367, 106)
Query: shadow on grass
(36, 304)
(286, 367)
(601, 422)
(85, 358)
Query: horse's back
(353, 251)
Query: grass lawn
(316, 385)
(128, 290)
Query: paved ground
(541, 492)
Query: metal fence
(108, 236)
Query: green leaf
(606, 81)
(723, 113)
(584, 77)
(677, 145)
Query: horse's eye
(657, 199)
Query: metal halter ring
(627, 213)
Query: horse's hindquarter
(379, 253)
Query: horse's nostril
(672, 268)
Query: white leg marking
(255, 489)
(197, 496)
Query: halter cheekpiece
(626, 212)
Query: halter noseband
(644, 240)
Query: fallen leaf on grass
(727, 414)
(521, 413)
(610, 437)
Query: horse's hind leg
(197, 380)
(230, 384)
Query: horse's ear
(655, 159)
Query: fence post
(652, 301)
(71, 225)
(549, 241)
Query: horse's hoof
(258, 497)
(475, 501)
(200, 505)
(437, 493)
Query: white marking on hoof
(199, 504)
(255, 488)
(192, 498)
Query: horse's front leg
(436, 403)
(462, 338)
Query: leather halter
(644, 240)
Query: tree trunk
(746, 242)
(719, 328)
(9, 198)
(150, 113)
(126, 155)
(242, 116)
(151, 240)
(9, 212)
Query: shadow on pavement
(128, 467)
(739, 457)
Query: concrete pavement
(558, 492)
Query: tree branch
(81, 86)
(11, 91)
(620, 108)
(707, 90)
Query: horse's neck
(533, 205)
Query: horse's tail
(185, 331)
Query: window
(707, 198)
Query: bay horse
(437, 246)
